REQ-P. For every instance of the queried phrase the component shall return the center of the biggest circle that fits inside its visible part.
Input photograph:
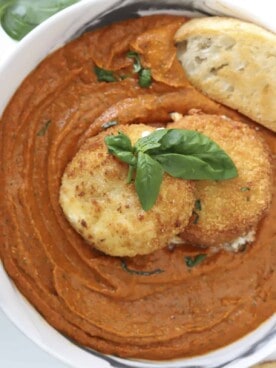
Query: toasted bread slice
(233, 62)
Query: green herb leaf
(185, 167)
(19, 17)
(181, 153)
(104, 75)
(198, 205)
(120, 146)
(194, 261)
(109, 124)
(44, 129)
(137, 62)
(148, 180)
(150, 141)
(130, 174)
(3, 5)
(191, 155)
(145, 79)
(140, 273)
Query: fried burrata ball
(106, 211)
(225, 210)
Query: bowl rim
(9, 66)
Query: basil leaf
(148, 180)
(188, 142)
(120, 141)
(194, 261)
(151, 141)
(198, 205)
(124, 156)
(19, 17)
(191, 155)
(4, 4)
(138, 272)
(145, 79)
(137, 62)
(109, 124)
(130, 174)
(181, 153)
(120, 146)
(189, 167)
(44, 129)
(104, 75)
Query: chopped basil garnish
(44, 129)
(140, 273)
(137, 62)
(145, 79)
(195, 213)
(194, 261)
(184, 154)
(198, 205)
(144, 74)
(109, 124)
(104, 75)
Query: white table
(17, 351)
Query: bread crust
(233, 62)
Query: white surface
(17, 351)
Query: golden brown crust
(233, 207)
(105, 209)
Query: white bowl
(24, 57)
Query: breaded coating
(225, 210)
(106, 211)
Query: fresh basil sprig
(19, 17)
(184, 154)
